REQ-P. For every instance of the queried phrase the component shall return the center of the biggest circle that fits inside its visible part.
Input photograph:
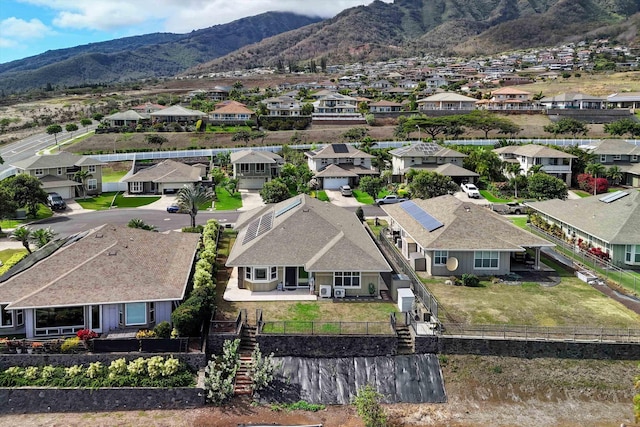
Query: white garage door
(251, 183)
(334, 183)
(64, 192)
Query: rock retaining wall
(327, 345)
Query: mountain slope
(153, 55)
(409, 27)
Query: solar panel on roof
(612, 197)
(427, 147)
(258, 226)
(252, 231)
(288, 207)
(340, 148)
(420, 215)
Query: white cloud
(177, 15)
(7, 43)
(15, 28)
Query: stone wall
(327, 345)
(529, 348)
(193, 360)
(215, 342)
(27, 399)
(424, 344)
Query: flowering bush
(86, 334)
(145, 333)
(73, 371)
(47, 372)
(155, 366)
(31, 373)
(117, 367)
(599, 253)
(95, 369)
(137, 367)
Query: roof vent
(99, 235)
(467, 208)
(112, 253)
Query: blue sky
(31, 27)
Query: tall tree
(274, 191)
(82, 176)
(26, 191)
(371, 185)
(542, 186)
(86, 122)
(615, 174)
(23, 235)
(191, 197)
(514, 170)
(567, 125)
(427, 184)
(54, 130)
(71, 128)
(596, 170)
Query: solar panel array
(612, 197)
(340, 148)
(288, 207)
(258, 226)
(427, 147)
(420, 215)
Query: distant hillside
(410, 27)
(133, 58)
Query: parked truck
(389, 199)
(511, 208)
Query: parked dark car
(56, 202)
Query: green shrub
(470, 280)
(70, 345)
(13, 260)
(163, 330)
(196, 229)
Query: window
(553, 161)
(244, 167)
(19, 317)
(59, 171)
(91, 168)
(261, 167)
(440, 257)
(274, 273)
(92, 184)
(136, 187)
(247, 273)
(6, 317)
(603, 158)
(260, 273)
(39, 172)
(486, 259)
(135, 313)
(537, 161)
(152, 312)
(346, 279)
(632, 254)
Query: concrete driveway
(461, 195)
(336, 197)
(251, 199)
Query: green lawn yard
(571, 303)
(104, 201)
(227, 202)
(43, 212)
(8, 253)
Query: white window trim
(617, 157)
(136, 187)
(126, 320)
(92, 184)
(475, 257)
(603, 158)
(274, 273)
(439, 254)
(91, 168)
(2, 311)
(60, 171)
(244, 167)
(39, 172)
(261, 168)
(352, 274)
(250, 274)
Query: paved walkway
(336, 197)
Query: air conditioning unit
(339, 293)
(325, 291)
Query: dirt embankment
(482, 391)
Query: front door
(291, 277)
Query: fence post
(367, 328)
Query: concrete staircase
(242, 385)
(405, 340)
(385, 295)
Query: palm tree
(615, 174)
(139, 223)
(595, 169)
(82, 176)
(514, 169)
(191, 197)
(23, 234)
(42, 236)
(535, 169)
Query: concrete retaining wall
(327, 345)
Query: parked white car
(471, 190)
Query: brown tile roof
(111, 264)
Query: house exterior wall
(68, 172)
(326, 278)
(466, 265)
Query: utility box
(398, 281)
(418, 261)
(406, 298)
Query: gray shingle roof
(447, 169)
(111, 264)
(534, 150)
(335, 171)
(253, 156)
(612, 146)
(314, 234)
(166, 171)
(178, 111)
(467, 227)
(59, 160)
(616, 223)
(422, 149)
(329, 152)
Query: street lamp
(417, 126)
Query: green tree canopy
(296, 177)
(567, 125)
(71, 128)
(156, 139)
(355, 134)
(274, 191)
(541, 186)
(427, 184)
(486, 122)
(623, 126)
(26, 190)
(371, 185)
(54, 130)
(23, 235)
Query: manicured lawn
(227, 129)
(376, 228)
(363, 197)
(520, 222)
(571, 303)
(43, 212)
(582, 193)
(104, 201)
(110, 175)
(321, 195)
(490, 197)
(8, 253)
(227, 202)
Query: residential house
(129, 118)
(232, 113)
(339, 164)
(624, 100)
(304, 243)
(573, 100)
(620, 153)
(57, 173)
(445, 236)
(253, 168)
(283, 106)
(110, 277)
(446, 101)
(554, 162)
(509, 98)
(168, 176)
(177, 114)
(147, 108)
(610, 222)
(430, 156)
(384, 106)
(336, 104)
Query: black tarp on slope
(331, 381)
